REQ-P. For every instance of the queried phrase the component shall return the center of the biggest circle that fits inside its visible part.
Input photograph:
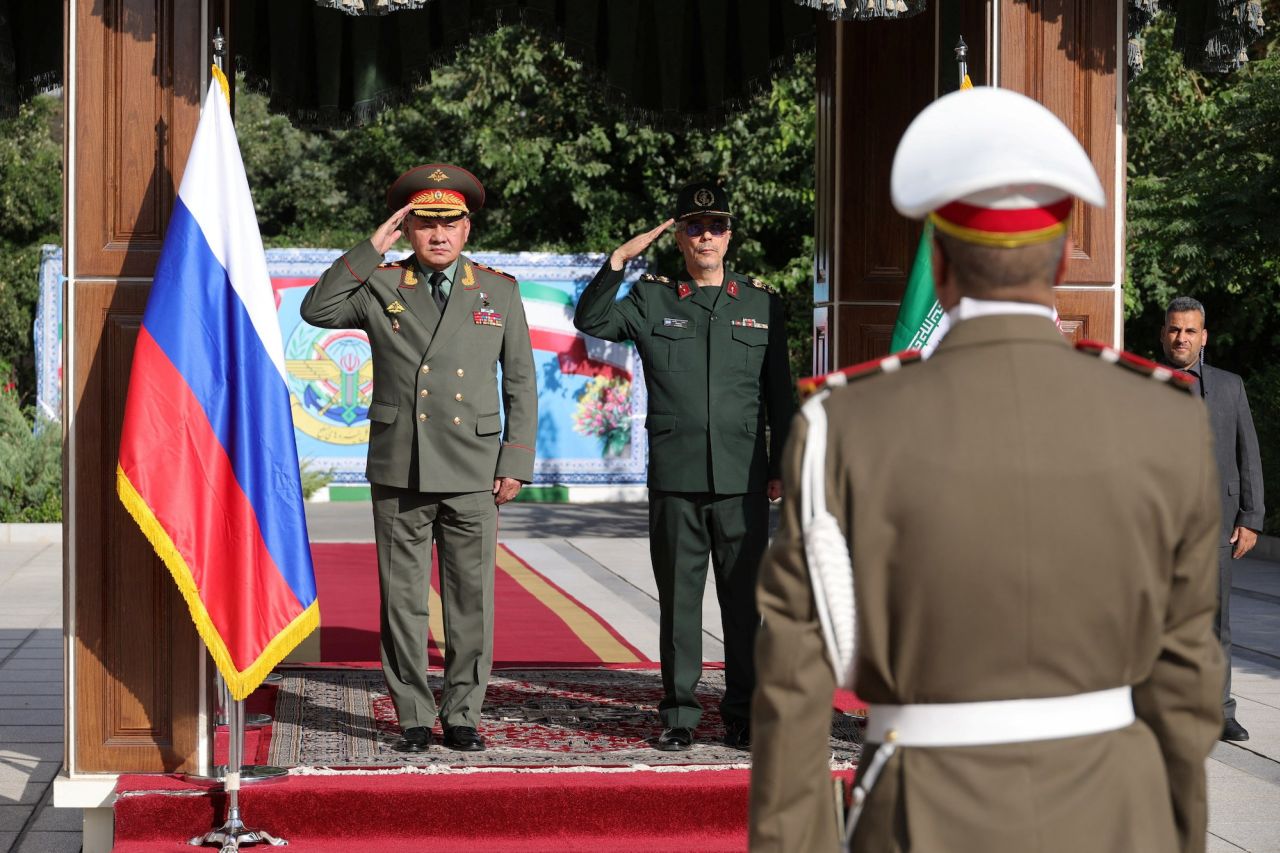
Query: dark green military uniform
(436, 445)
(715, 364)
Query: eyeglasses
(717, 228)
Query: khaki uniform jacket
(715, 366)
(1025, 521)
(434, 419)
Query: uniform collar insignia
(731, 287)
(684, 290)
(407, 279)
(468, 276)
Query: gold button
(891, 736)
(460, 371)
(457, 421)
(424, 393)
(422, 416)
(458, 397)
(426, 368)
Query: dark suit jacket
(434, 419)
(1236, 449)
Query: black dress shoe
(737, 733)
(416, 739)
(675, 739)
(1233, 731)
(463, 739)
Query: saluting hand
(390, 231)
(636, 245)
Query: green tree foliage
(30, 214)
(30, 465)
(1204, 215)
(563, 169)
(1204, 203)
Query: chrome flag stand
(233, 831)
(249, 773)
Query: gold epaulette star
(760, 285)
(1142, 366)
(661, 279)
(808, 387)
(394, 265)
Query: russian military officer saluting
(440, 459)
(714, 348)
(1031, 533)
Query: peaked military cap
(993, 167)
(702, 199)
(438, 190)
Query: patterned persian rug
(531, 718)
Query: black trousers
(685, 528)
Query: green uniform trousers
(464, 527)
(684, 529)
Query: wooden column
(875, 76)
(1063, 53)
(137, 73)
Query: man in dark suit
(1236, 448)
(440, 459)
(714, 347)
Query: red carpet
(498, 811)
(535, 622)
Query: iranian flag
(921, 320)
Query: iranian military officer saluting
(714, 348)
(440, 461)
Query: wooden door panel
(137, 653)
(1063, 54)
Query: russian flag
(208, 465)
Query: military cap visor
(992, 166)
(701, 199)
(437, 190)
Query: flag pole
(233, 831)
(962, 60)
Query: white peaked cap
(991, 148)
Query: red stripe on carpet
(500, 811)
(526, 631)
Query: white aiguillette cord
(831, 573)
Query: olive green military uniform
(436, 445)
(715, 364)
(1024, 521)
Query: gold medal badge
(395, 308)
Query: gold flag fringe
(240, 682)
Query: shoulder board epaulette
(394, 265)
(493, 270)
(1142, 366)
(845, 375)
(661, 279)
(760, 285)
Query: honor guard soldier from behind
(440, 459)
(714, 348)
(1008, 550)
